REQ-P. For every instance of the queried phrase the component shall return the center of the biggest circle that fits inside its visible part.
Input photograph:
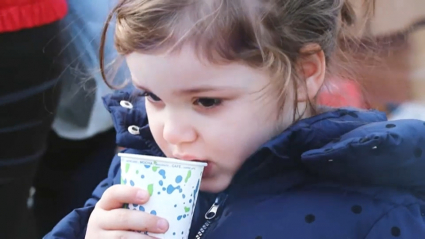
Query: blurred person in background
(339, 92)
(82, 141)
(29, 94)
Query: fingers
(115, 196)
(124, 235)
(125, 219)
(109, 216)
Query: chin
(212, 185)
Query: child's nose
(178, 131)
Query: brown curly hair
(260, 33)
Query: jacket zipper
(210, 215)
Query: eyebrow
(196, 90)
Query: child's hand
(110, 220)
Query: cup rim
(161, 159)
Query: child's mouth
(207, 169)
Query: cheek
(241, 133)
(155, 124)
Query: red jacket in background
(20, 14)
(342, 93)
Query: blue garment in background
(81, 114)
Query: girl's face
(219, 114)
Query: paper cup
(173, 185)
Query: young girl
(233, 83)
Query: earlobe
(312, 69)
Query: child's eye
(151, 96)
(208, 102)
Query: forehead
(186, 68)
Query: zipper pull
(214, 208)
(212, 212)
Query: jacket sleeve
(74, 225)
(407, 222)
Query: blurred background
(395, 79)
(58, 140)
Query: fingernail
(162, 224)
(142, 195)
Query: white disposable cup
(173, 185)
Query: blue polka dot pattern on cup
(162, 173)
(168, 184)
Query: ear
(312, 69)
